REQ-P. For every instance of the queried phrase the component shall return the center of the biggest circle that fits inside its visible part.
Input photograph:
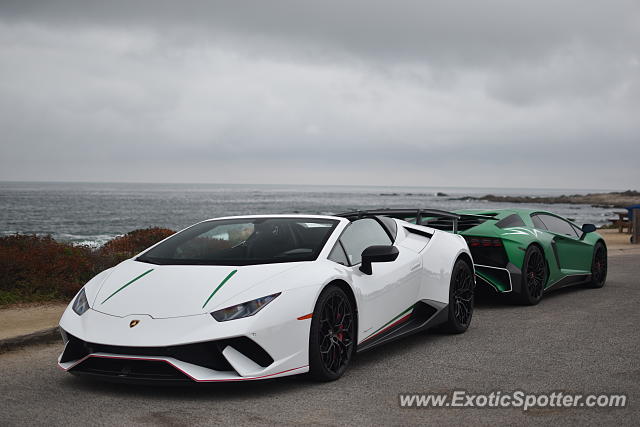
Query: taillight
(483, 242)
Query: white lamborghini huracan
(256, 297)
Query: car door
(573, 254)
(392, 288)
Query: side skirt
(426, 314)
(570, 280)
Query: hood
(162, 291)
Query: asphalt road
(577, 340)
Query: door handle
(415, 267)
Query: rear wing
(434, 218)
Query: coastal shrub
(39, 268)
(34, 268)
(123, 247)
(136, 240)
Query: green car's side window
(512, 220)
(537, 223)
(556, 225)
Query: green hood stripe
(127, 284)
(229, 276)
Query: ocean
(92, 213)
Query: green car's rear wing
(435, 218)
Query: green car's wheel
(598, 266)
(534, 276)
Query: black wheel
(598, 266)
(331, 342)
(534, 276)
(461, 298)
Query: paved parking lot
(577, 340)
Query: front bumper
(195, 348)
(139, 368)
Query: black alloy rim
(536, 273)
(336, 333)
(463, 296)
(599, 265)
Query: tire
(461, 298)
(534, 276)
(332, 336)
(598, 266)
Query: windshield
(244, 241)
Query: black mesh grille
(495, 257)
(487, 251)
(207, 354)
(129, 369)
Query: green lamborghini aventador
(524, 252)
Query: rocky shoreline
(614, 199)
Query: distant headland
(614, 199)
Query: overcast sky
(507, 93)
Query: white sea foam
(93, 241)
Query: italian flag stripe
(127, 284)
(400, 318)
(229, 276)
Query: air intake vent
(129, 369)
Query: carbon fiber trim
(426, 314)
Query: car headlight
(80, 305)
(245, 309)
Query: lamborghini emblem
(133, 323)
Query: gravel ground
(577, 340)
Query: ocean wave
(93, 241)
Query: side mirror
(587, 228)
(380, 253)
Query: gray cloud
(443, 93)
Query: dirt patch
(25, 319)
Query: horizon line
(309, 185)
